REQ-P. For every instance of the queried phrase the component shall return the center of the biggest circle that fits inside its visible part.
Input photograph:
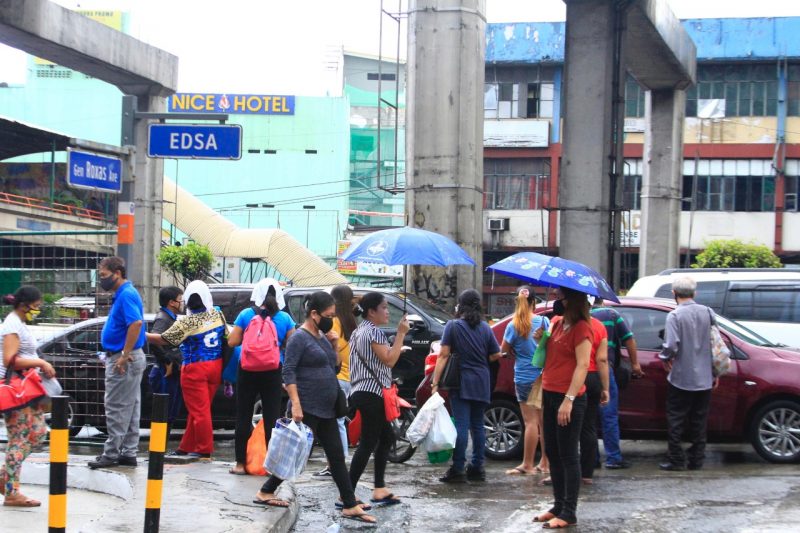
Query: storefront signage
(239, 104)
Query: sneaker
(324, 473)
(618, 466)
(453, 476)
(127, 461)
(101, 461)
(177, 453)
(476, 473)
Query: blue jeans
(609, 417)
(161, 384)
(345, 386)
(469, 420)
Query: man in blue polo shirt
(123, 338)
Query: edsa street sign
(195, 141)
(86, 170)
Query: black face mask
(558, 307)
(107, 283)
(325, 324)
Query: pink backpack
(260, 348)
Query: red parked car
(757, 401)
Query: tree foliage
(188, 262)
(736, 254)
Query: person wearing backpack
(262, 331)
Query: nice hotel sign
(242, 104)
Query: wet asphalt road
(736, 492)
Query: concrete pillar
(145, 271)
(444, 145)
(662, 178)
(588, 96)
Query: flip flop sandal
(517, 471)
(272, 502)
(237, 473)
(562, 525)
(364, 506)
(541, 517)
(28, 502)
(389, 499)
(360, 518)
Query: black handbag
(341, 409)
(451, 375)
(622, 372)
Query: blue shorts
(523, 391)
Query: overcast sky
(283, 46)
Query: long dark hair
(270, 303)
(343, 296)
(318, 301)
(370, 302)
(469, 307)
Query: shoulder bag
(20, 389)
(450, 379)
(720, 354)
(340, 408)
(391, 402)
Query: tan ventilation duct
(225, 239)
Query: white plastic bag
(422, 423)
(442, 435)
(289, 448)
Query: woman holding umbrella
(564, 402)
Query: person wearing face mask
(200, 334)
(371, 363)
(266, 384)
(123, 337)
(25, 427)
(309, 373)
(564, 402)
(165, 376)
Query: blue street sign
(195, 141)
(86, 170)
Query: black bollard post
(59, 449)
(155, 471)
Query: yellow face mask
(31, 314)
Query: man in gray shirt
(686, 355)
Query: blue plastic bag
(289, 448)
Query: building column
(588, 100)
(444, 144)
(662, 178)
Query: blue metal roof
(716, 39)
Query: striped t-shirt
(361, 354)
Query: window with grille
(516, 183)
(748, 90)
(634, 99)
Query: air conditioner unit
(498, 224)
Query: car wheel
(402, 450)
(775, 432)
(257, 413)
(504, 430)
(74, 421)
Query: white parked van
(766, 300)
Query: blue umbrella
(407, 246)
(541, 269)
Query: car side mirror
(416, 322)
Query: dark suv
(427, 320)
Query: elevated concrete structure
(52, 32)
(444, 147)
(658, 52)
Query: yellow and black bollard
(155, 471)
(59, 448)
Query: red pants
(199, 382)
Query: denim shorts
(523, 391)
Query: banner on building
(631, 235)
(239, 104)
(359, 268)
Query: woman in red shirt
(564, 402)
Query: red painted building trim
(722, 151)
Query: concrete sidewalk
(199, 497)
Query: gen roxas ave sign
(195, 141)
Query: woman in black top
(371, 362)
(309, 373)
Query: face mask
(559, 308)
(31, 314)
(325, 324)
(107, 283)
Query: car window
(225, 300)
(664, 291)
(395, 314)
(86, 339)
(434, 311)
(711, 293)
(295, 305)
(738, 330)
(770, 303)
(646, 324)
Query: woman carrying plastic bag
(309, 373)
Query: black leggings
(249, 386)
(561, 446)
(326, 430)
(589, 430)
(376, 436)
